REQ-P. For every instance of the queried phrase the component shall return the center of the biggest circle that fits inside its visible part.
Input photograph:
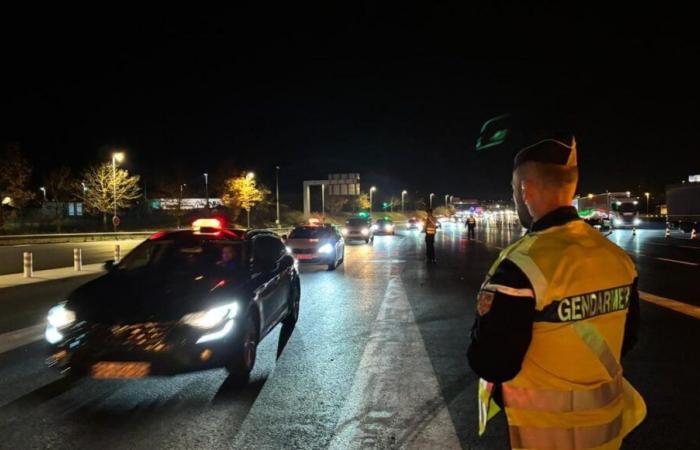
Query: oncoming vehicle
(384, 226)
(317, 244)
(358, 229)
(414, 224)
(180, 301)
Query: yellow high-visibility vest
(430, 225)
(570, 393)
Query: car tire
(334, 264)
(294, 304)
(367, 241)
(243, 360)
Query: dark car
(317, 244)
(358, 229)
(414, 224)
(384, 226)
(180, 301)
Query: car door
(273, 275)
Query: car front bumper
(167, 348)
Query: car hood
(146, 296)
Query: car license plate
(305, 256)
(112, 369)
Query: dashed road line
(19, 338)
(678, 261)
(675, 305)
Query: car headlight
(212, 317)
(389, 227)
(617, 222)
(365, 232)
(325, 248)
(289, 250)
(344, 231)
(637, 221)
(60, 317)
(374, 227)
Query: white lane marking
(19, 338)
(672, 245)
(675, 305)
(395, 400)
(22, 245)
(679, 262)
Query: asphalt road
(376, 361)
(52, 256)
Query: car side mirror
(109, 265)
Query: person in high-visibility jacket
(556, 312)
(430, 229)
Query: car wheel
(334, 264)
(244, 355)
(294, 304)
(367, 241)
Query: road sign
(116, 221)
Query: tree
(98, 193)
(335, 203)
(15, 172)
(174, 189)
(362, 202)
(59, 188)
(242, 193)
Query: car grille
(149, 336)
(304, 251)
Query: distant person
(471, 226)
(431, 225)
(555, 314)
(228, 257)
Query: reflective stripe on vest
(596, 342)
(576, 438)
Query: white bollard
(28, 265)
(117, 253)
(77, 259)
(634, 231)
(668, 233)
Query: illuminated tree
(362, 202)
(335, 203)
(242, 193)
(98, 193)
(15, 172)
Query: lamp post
(371, 192)
(206, 188)
(646, 194)
(117, 157)
(403, 194)
(447, 196)
(277, 193)
(43, 191)
(431, 200)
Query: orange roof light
(314, 221)
(210, 224)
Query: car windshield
(384, 222)
(357, 222)
(309, 233)
(189, 255)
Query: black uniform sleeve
(501, 336)
(632, 322)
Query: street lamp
(446, 197)
(371, 191)
(646, 194)
(85, 188)
(250, 176)
(431, 200)
(206, 187)
(403, 194)
(43, 190)
(277, 193)
(117, 157)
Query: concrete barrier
(77, 259)
(28, 264)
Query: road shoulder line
(683, 308)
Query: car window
(268, 248)
(308, 233)
(196, 255)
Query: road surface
(377, 360)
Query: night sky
(395, 93)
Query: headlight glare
(365, 232)
(212, 317)
(325, 248)
(60, 317)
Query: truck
(609, 210)
(683, 205)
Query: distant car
(384, 226)
(358, 229)
(180, 301)
(414, 224)
(317, 244)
